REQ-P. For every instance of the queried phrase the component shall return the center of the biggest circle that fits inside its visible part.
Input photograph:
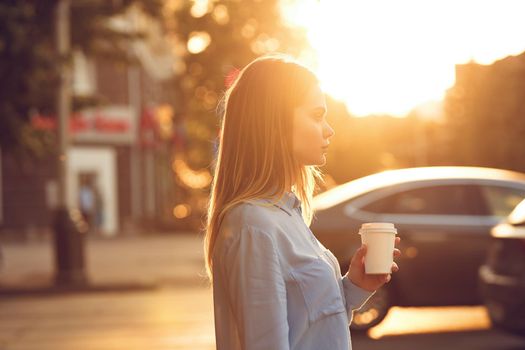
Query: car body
(502, 277)
(443, 215)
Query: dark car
(443, 216)
(502, 277)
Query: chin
(320, 162)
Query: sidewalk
(170, 307)
(151, 260)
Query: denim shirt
(275, 286)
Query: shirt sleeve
(257, 290)
(355, 296)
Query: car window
(501, 200)
(434, 200)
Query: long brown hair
(255, 158)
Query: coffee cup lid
(378, 226)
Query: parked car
(443, 216)
(502, 277)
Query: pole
(135, 164)
(69, 235)
(135, 101)
(64, 96)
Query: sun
(387, 57)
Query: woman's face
(311, 132)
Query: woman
(275, 286)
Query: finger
(358, 260)
(397, 253)
(398, 239)
(359, 254)
(387, 278)
(380, 278)
(395, 267)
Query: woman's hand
(357, 274)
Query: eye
(318, 117)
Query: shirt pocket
(319, 288)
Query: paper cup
(380, 239)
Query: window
(501, 200)
(434, 200)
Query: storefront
(100, 164)
(99, 161)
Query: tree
(30, 64)
(216, 38)
(28, 72)
(485, 111)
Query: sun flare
(387, 57)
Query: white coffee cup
(379, 238)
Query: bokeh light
(198, 42)
(199, 8)
(220, 14)
(181, 211)
(196, 179)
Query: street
(173, 309)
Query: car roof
(388, 178)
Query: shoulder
(257, 217)
(250, 229)
(254, 228)
(254, 215)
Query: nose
(328, 131)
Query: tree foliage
(486, 114)
(30, 65)
(238, 31)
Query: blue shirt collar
(288, 202)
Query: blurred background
(109, 124)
